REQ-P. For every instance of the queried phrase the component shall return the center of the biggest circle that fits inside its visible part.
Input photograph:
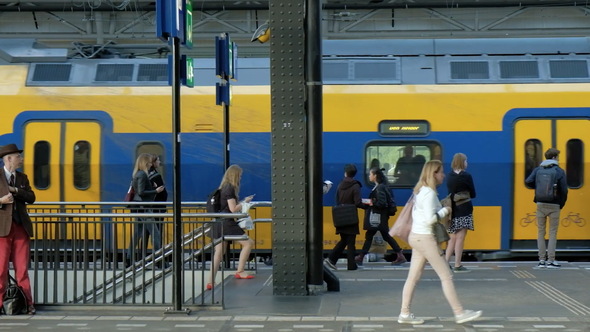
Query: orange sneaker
(244, 275)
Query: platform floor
(513, 295)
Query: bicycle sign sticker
(573, 218)
(529, 219)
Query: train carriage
(81, 132)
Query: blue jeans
(147, 229)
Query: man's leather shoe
(32, 310)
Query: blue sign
(223, 94)
(186, 71)
(226, 58)
(171, 19)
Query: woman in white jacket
(427, 211)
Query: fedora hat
(9, 149)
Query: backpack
(15, 302)
(545, 184)
(214, 201)
(391, 206)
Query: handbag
(246, 223)
(440, 233)
(130, 193)
(403, 225)
(14, 302)
(344, 215)
(461, 197)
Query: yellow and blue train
(83, 122)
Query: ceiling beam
(52, 5)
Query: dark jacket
(25, 196)
(561, 196)
(156, 178)
(457, 183)
(144, 189)
(379, 198)
(349, 192)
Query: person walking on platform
(348, 193)
(426, 212)
(462, 190)
(144, 192)
(158, 181)
(377, 217)
(16, 228)
(230, 188)
(550, 186)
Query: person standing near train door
(462, 190)
(550, 186)
(16, 228)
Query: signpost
(226, 56)
(174, 26)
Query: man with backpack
(550, 186)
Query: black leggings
(385, 234)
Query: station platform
(514, 296)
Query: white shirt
(426, 208)
(8, 174)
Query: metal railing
(80, 254)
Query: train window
(152, 148)
(533, 156)
(575, 163)
(402, 161)
(82, 165)
(41, 165)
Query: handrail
(136, 215)
(261, 203)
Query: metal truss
(60, 28)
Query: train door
(62, 160)
(532, 138)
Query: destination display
(404, 128)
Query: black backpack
(15, 302)
(546, 184)
(391, 206)
(214, 201)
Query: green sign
(189, 24)
(230, 58)
(190, 80)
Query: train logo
(573, 218)
(529, 219)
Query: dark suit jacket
(25, 195)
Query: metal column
(313, 105)
(288, 157)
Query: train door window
(575, 163)
(402, 162)
(152, 148)
(82, 165)
(41, 166)
(533, 154)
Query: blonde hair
(142, 163)
(232, 177)
(459, 160)
(427, 178)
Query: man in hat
(15, 224)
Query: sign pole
(177, 208)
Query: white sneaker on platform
(409, 319)
(467, 316)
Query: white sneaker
(467, 316)
(409, 319)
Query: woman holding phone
(230, 188)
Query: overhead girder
(53, 5)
